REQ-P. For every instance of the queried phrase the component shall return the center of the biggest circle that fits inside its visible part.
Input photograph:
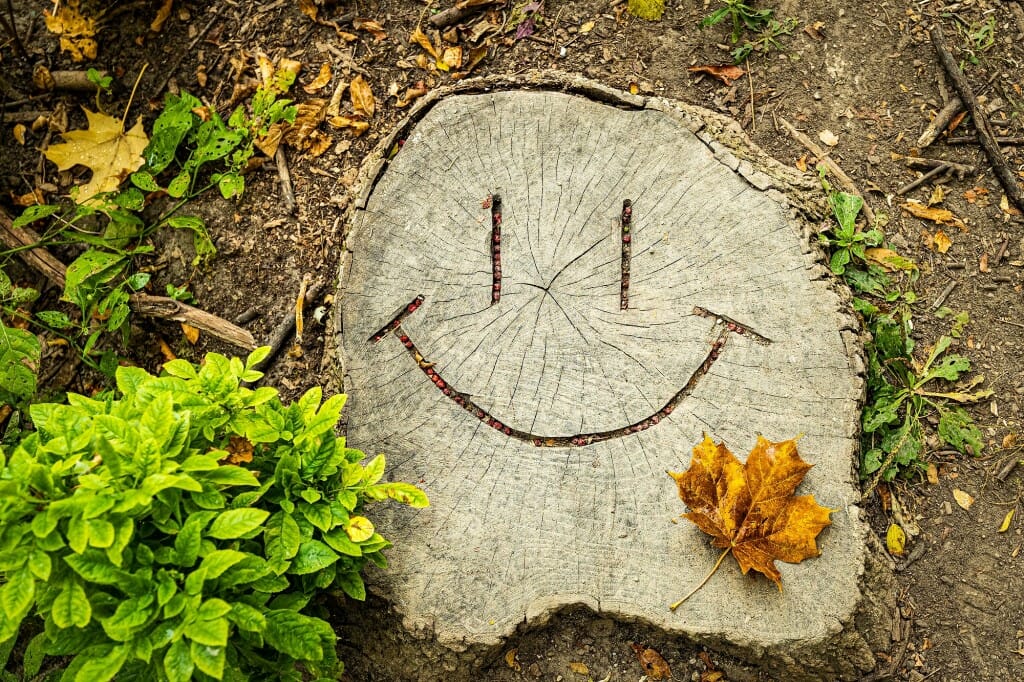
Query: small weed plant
(191, 151)
(744, 17)
(902, 391)
(183, 527)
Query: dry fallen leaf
(726, 73)
(412, 93)
(942, 242)
(941, 216)
(358, 127)
(308, 8)
(749, 509)
(895, 540)
(973, 195)
(166, 351)
(76, 30)
(933, 473)
(421, 39)
(963, 499)
(801, 164)
(579, 668)
(512, 659)
(239, 451)
(157, 24)
(587, 28)
(828, 137)
(983, 263)
(19, 133)
(322, 79)
(655, 667)
(190, 332)
(1004, 206)
(301, 134)
(1009, 440)
(452, 57)
(104, 148)
(1007, 520)
(362, 97)
(889, 260)
(370, 26)
(937, 196)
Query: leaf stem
(131, 97)
(718, 563)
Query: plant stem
(718, 563)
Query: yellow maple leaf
(109, 152)
(749, 509)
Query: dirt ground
(864, 71)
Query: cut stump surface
(549, 300)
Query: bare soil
(864, 71)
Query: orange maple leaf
(749, 509)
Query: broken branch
(981, 125)
(939, 123)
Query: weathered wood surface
(541, 421)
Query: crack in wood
(466, 402)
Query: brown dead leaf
(512, 660)
(308, 8)
(358, 127)
(190, 332)
(973, 195)
(1009, 440)
(362, 97)
(942, 242)
(962, 499)
(301, 134)
(421, 39)
(955, 123)
(476, 55)
(655, 667)
(157, 24)
(828, 137)
(587, 28)
(937, 195)
(579, 668)
(750, 509)
(983, 263)
(166, 351)
(370, 26)
(33, 198)
(801, 164)
(452, 57)
(104, 148)
(726, 73)
(412, 93)
(1004, 206)
(933, 473)
(321, 81)
(941, 216)
(889, 260)
(239, 451)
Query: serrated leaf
(750, 509)
(104, 148)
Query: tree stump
(550, 298)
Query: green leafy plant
(766, 40)
(742, 16)
(902, 391)
(184, 526)
(981, 36)
(192, 155)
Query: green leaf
(128, 618)
(55, 319)
(34, 213)
(294, 634)
(958, 429)
(846, 207)
(338, 540)
(281, 537)
(213, 608)
(92, 267)
(212, 632)
(352, 584)
(235, 523)
(200, 237)
(104, 668)
(178, 662)
(374, 470)
(179, 185)
(144, 181)
(180, 368)
(208, 659)
(71, 608)
(189, 538)
(20, 353)
(17, 595)
(231, 185)
(218, 561)
(170, 129)
(230, 475)
(318, 514)
(405, 493)
(247, 617)
(94, 567)
(312, 556)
